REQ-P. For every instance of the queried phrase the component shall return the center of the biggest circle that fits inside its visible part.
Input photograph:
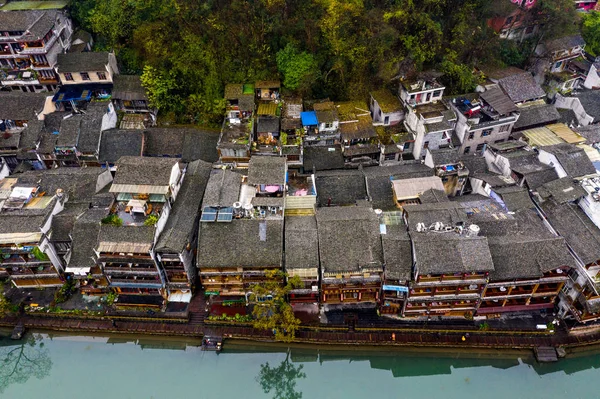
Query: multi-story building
(321, 126)
(30, 42)
(448, 166)
(302, 260)
(144, 190)
(427, 118)
(87, 68)
(483, 118)
(177, 242)
(386, 108)
(31, 243)
(531, 265)
(240, 239)
(553, 57)
(235, 141)
(351, 257)
(357, 134)
(450, 285)
(397, 255)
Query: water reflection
(21, 360)
(281, 380)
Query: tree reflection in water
(20, 362)
(281, 380)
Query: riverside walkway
(198, 326)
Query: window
(467, 150)
(426, 145)
(529, 30)
(437, 93)
(406, 146)
(509, 20)
(486, 132)
(504, 128)
(84, 75)
(558, 64)
(69, 76)
(101, 75)
(390, 157)
(328, 125)
(480, 147)
(471, 135)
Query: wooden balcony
(130, 270)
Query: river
(50, 366)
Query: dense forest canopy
(188, 49)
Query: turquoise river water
(50, 366)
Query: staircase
(197, 309)
(300, 206)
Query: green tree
(4, 302)
(281, 379)
(299, 69)
(459, 78)
(21, 362)
(591, 32)
(271, 311)
(162, 88)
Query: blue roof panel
(309, 118)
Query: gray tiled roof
(91, 127)
(564, 43)
(179, 229)
(379, 185)
(445, 156)
(82, 62)
(562, 190)
(69, 132)
(433, 196)
(573, 159)
(577, 229)
(397, 253)
(301, 243)
(85, 238)
(321, 158)
(267, 124)
(514, 197)
(267, 170)
(78, 183)
(21, 106)
(126, 234)
(521, 87)
(239, 244)
(590, 100)
(341, 187)
(128, 87)
(222, 189)
(115, 143)
(517, 256)
(163, 142)
(536, 115)
(144, 170)
(349, 239)
(62, 223)
(200, 145)
(498, 100)
(16, 21)
(462, 254)
(449, 213)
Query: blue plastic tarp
(309, 118)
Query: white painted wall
(549, 159)
(573, 103)
(593, 78)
